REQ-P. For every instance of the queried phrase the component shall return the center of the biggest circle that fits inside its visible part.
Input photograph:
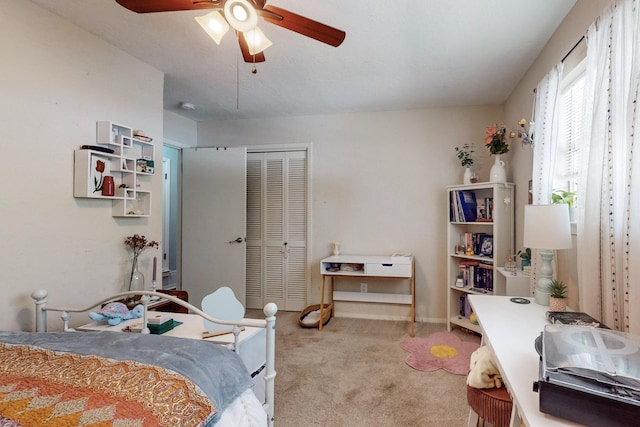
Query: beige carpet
(353, 373)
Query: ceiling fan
(242, 16)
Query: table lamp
(546, 228)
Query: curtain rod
(573, 48)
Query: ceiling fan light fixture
(240, 14)
(214, 24)
(256, 40)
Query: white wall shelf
(131, 165)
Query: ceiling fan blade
(305, 26)
(147, 6)
(244, 48)
(259, 3)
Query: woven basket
(326, 316)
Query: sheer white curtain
(545, 131)
(609, 191)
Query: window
(570, 130)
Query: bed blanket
(106, 378)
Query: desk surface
(510, 330)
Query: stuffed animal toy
(116, 312)
(483, 371)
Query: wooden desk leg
(413, 298)
(413, 305)
(331, 302)
(321, 303)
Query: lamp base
(542, 296)
(546, 275)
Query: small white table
(399, 267)
(510, 330)
(251, 341)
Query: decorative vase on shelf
(108, 186)
(498, 173)
(467, 175)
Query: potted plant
(496, 141)
(465, 155)
(525, 257)
(559, 196)
(557, 295)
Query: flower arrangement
(526, 138)
(465, 154)
(496, 140)
(137, 244)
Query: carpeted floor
(354, 373)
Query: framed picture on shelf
(486, 246)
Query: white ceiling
(397, 55)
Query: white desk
(251, 342)
(510, 330)
(399, 267)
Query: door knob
(238, 240)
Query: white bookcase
(491, 235)
(131, 165)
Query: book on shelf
(480, 244)
(577, 318)
(483, 279)
(463, 206)
(465, 307)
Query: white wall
(519, 105)
(56, 81)
(179, 131)
(378, 186)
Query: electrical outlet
(363, 287)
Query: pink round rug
(441, 350)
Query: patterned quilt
(51, 387)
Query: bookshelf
(480, 237)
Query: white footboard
(268, 323)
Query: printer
(589, 375)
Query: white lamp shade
(240, 14)
(256, 40)
(214, 24)
(547, 227)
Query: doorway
(279, 273)
(171, 160)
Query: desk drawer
(388, 270)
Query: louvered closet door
(276, 229)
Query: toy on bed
(116, 312)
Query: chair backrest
(222, 304)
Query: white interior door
(213, 221)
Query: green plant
(525, 254)
(562, 196)
(557, 289)
(465, 154)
